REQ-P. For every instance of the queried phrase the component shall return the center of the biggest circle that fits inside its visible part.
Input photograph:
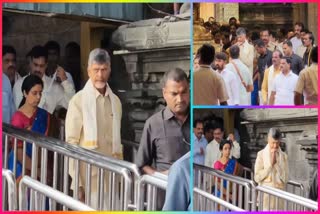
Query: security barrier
(9, 200)
(41, 190)
(153, 183)
(246, 194)
(271, 199)
(108, 173)
(204, 201)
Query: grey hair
(240, 31)
(274, 133)
(99, 56)
(176, 74)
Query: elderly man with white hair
(93, 122)
(246, 49)
(271, 169)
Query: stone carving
(170, 31)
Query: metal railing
(135, 172)
(248, 173)
(28, 183)
(292, 186)
(296, 188)
(238, 191)
(258, 198)
(117, 171)
(9, 200)
(211, 202)
(275, 199)
(153, 183)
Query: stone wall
(25, 31)
(143, 97)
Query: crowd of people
(241, 67)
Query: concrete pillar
(313, 20)
(225, 11)
(207, 10)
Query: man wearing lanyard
(166, 134)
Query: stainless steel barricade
(296, 188)
(10, 199)
(28, 183)
(248, 173)
(135, 173)
(238, 191)
(152, 183)
(292, 186)
(276, 199)
(100, 172)
(210, 202)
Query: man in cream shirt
(269, 75)
(246, 49)
(93, 122)
(271, 169)
(54, 94)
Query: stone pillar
(313, 20)
(206, 10)
(144, 97)
(225, 11)
(308, 141)
(299, 13)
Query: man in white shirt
(284, 85)
(230, 79)
(243, 75)
(296, 40)
(53, 49)
(54, 94)
(212, 150)
(301, 48)
(269, 76)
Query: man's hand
(166, 172)
(81, 195)
(201, 151)
(231, 137)
(61, 73)
(148, 170)
(273, 157)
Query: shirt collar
(204, 66)
(201, 139)
(97, 93)
(168, 114)
(289, 74)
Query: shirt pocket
(5, 99)
(170, 148)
